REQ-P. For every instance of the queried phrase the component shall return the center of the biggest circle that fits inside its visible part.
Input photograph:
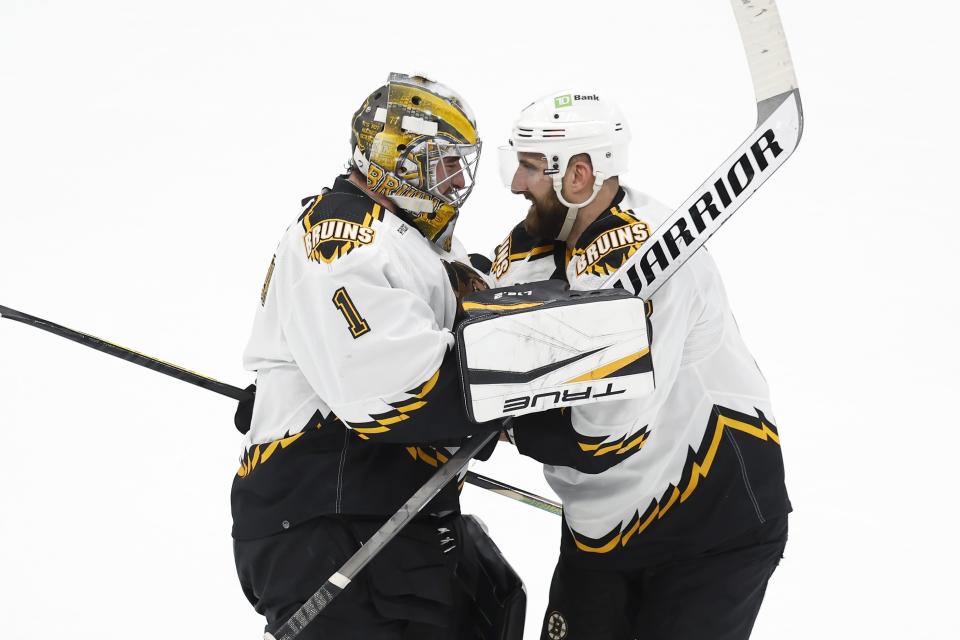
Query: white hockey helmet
(562, 125)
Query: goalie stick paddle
(779, 127)
(236, 393)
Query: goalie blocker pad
(539, 345)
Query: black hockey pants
(429, 583)
(715, 594)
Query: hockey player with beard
(358, 397)
(675, 509)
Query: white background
(152, 153)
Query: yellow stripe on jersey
(607, 548)
(428, 385)
(394, 420)
(607, 449)
(639, 527)
(757, 427)
(636, 442)
(701, 469)
(383, 421)
(617, 446)
(380, 429)
(413, 406)
(253, 457)
(673, 499)
(434, 460)
(536, 251)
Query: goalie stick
(779, 126)
(236, 393)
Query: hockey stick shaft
(231, 391)
(516, 494)
(124, 353)
(778, 132)
(342, 578)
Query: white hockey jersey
(677, 471)
(357, 386)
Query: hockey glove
(464, 279)
(244, 414)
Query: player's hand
(464, 279)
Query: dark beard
(545, 216)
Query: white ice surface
(151, 155)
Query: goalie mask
(416, 142)
(560, 126)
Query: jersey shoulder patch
(336, 223)
(517, 246)
(609, 241)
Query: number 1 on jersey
(358, 326)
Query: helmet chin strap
(573, 209)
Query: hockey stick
(343, 576)
(516, 494)
(779, 127)
(123, 353)
(236, 393)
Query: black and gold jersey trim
(259, 454)
(518, 246)
(627, 444)
(429, 455)
(382, 422)
(697, 469)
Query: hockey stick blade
(516, 494)
(231, 391)
(343, 576)
(779, 127)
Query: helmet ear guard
(401, 134)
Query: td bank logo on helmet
(567, 99)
